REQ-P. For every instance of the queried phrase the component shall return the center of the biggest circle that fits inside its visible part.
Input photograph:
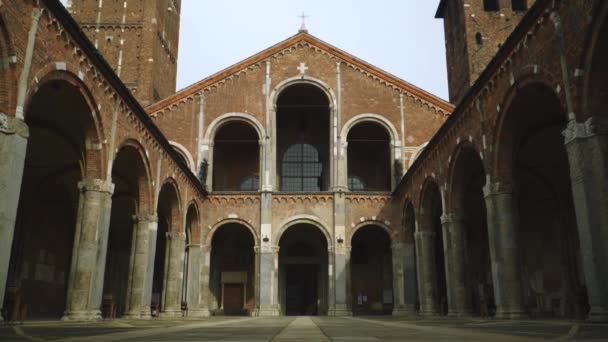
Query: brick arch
(183, 151)
(391, 234)
(302, 219)
(425, 198)
(500, 163)
(303, 79)
(95, 165)
(409, 221)
(226, 118)
(217, 226)
(145, 200)
(170, 184)
(8, 83)
(195, 228)
(593, 39)
(370, 117)
(455, 172)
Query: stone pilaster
(427, 277)
(13, 143)
(141, 268)
(454, 238)
(174, 274)
(403, 279)
(85, 284)
(267, 257)
(338, 262)
(587, 148)
(192, 278)
(504, 250)
(202, 307)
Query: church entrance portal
(303, 271)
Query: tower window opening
(490, 5)
(519, 5)
(478, 38)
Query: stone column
(141, 267)
(202, 307)
(88, 253)
(587, 148)
(338, 267)
(403, 304)
(504, 250)
(193, 279)
(410, 279)
(174, 275)
(13, 142)
(267, 257)
(427, 277)
(454, 238)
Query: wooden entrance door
(234, 299)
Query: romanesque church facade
(302, 180)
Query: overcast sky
(399, 36)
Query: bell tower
(474, 31)
(138, 38)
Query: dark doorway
(234, 299)
(301, 295)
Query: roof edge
(440, 14)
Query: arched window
(490, 5)
(301, 169)
(236, 154)
(369, 157)
(519, 5)
(249, 183)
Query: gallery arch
(371, 271)
(303, 271)
(60, 124)
(236, 157)
(232, 270)
(302, 121)
(369, 157)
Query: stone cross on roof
(303, 28)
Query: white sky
(399, 36)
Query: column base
(199, 313)
(519, 314)
(598, 315)
(339, 312)
(171, 314)
(84, 315)
(266, 312)
(144, 315)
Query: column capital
(424, 234)
(13, 125)
(150, 218)
(452, 217)
(266, 248)
(502, 186)
(177, 236)
(96, 185)
(595, 125)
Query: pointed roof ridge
(302, 36)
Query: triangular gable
(299, 38)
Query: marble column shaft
(504, 250)
(404, 277)
(454, 233)
(174, 261)
(201, 309)
(85, 282)
(587, 149)
(13, 143)
(141, 268)
(427, 276)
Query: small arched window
(490, 5)
(519, 5)
(301, 169)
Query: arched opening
(369, 158)
(371, 269)
(232, 270)
(59, 118)
(533, 154)
(430, 222)
(303, 122)
(468, 206)
(168, 212)
(130, 179)
(303, 265)
(597, 86)
(236, 158)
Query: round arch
(454, 168)
(175, 214)
(425, 201)
(223, 119)
(145, 186)
(303, 79)
(302, 219)
(221, 223)
(183, 151)
(390, 233)
(370, 117)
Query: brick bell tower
(138, 38)
(474, 31)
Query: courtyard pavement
(292, 329)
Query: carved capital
(96, 185)
(595, 125)
(452, 217)
(11, 125)
(498, 187)
(177, 236)
(145, 218)
(424, 234)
